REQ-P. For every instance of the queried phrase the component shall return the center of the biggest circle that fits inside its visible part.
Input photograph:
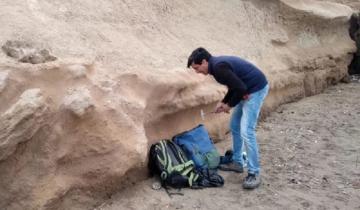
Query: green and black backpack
(169, 161)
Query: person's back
(253, 78)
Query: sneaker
(252, 181)
(233, 166)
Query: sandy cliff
(90, 85)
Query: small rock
(26, 52)
(325, 179)
(280, 41)
(293, 181)
(38, 57)
(355, 78)
(32, 96)
(346, 79)
(78, 101)
(280, 38)
(156, 185)
(77, 70)
(305, 204)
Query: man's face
(202, 68)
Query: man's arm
(228, 96)
(236, 87)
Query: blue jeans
(242, 125)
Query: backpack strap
(187, 167)
(168, 151)
(166, 162)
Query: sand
(310, 157)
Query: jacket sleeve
(236, 87)
(227, 96)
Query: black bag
(210, 178)
(168, 161)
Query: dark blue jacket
(240, 76)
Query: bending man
(247, 89)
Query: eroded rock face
(56, 149)
(75, 131)
(21, 121)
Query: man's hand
(221, 107)
(246, 97)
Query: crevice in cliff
(354, 32)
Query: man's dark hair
(198, 55)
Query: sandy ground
(310, 153)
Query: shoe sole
(251, 187)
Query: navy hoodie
(240, 76)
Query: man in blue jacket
(247, 89)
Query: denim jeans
(242, 125)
